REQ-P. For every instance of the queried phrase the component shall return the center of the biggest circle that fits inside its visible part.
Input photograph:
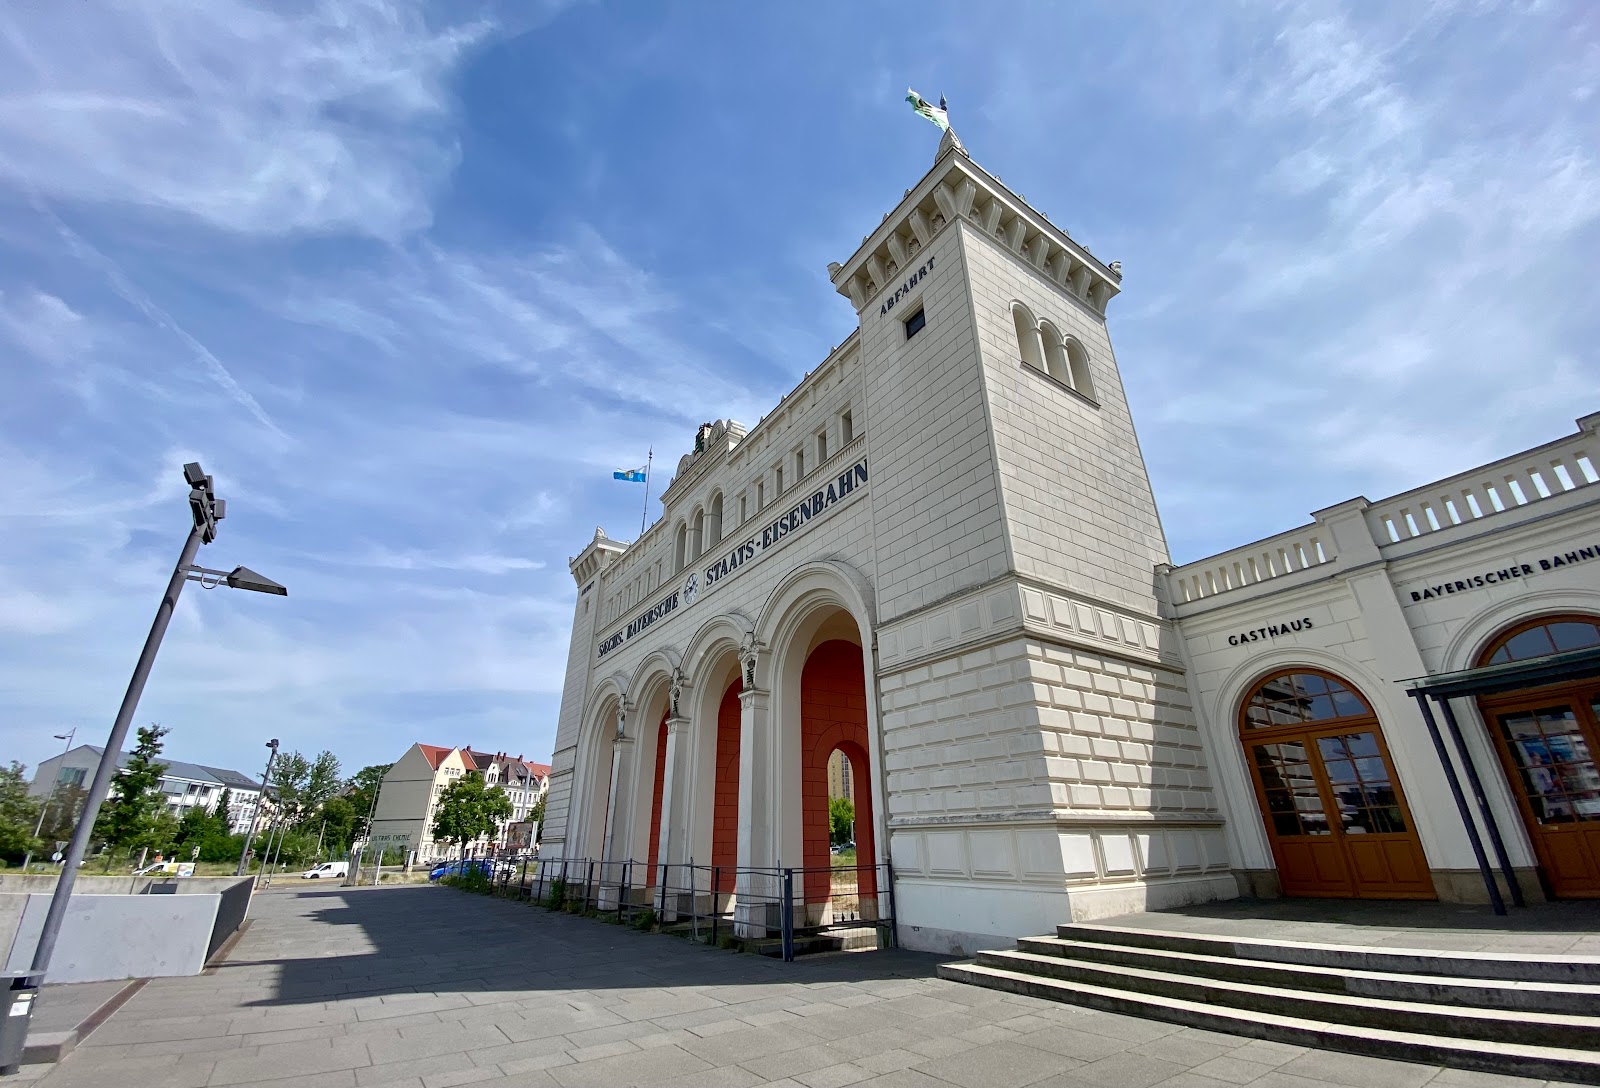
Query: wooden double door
(1548, 740)
(1335, 814)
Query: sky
(411, 280)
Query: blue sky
(411, 281)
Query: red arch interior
(725, 810)
(833, 714)
(655, 799)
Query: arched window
(1300, 698)
(1027, 336)
(1055, 354)
(680, 548)
(697, 534)
(1541, 638)
(714, 521)
(1078, 368)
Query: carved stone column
(619, 814)
(756, 912)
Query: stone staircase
(1494, 1012)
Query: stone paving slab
(426, 987)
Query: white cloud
(304, 117)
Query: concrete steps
(1485, 1011)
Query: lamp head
(245, 578)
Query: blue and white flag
(632, 475)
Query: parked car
(457, 868)
(328, 870)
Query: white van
(328, 870)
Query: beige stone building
(939, 555)
(402, 822)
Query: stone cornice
(957, 188)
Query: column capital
(676, 723)
(755, 698)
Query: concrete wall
(107, 937)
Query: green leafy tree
(323, 781)
(131, 816)
(61, 814)
(195, 827)
(841, 818)
(362, 791)
(338, 827)
(222, 815)
(291, 774)
(536, 814)
(18, 812)
(467, 810)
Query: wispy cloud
(257, 120)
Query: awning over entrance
(1509, 676)
(1524, 675)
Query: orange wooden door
(1547, 741)
(1335, 815)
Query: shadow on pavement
(421, 939)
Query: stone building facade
(940, 555)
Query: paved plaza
(424, 987)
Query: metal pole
(1461, 802)
(261, 800)
(1476, 785)
(787, 916)
(650, 461)
(108, 758)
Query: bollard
(787, 915)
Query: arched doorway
(656, 791)
(725, 798)
(1335, 813)
(1548, 738)
(833, 716)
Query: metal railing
(779, 909)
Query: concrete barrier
(117, 936)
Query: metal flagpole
(649, 461)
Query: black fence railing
(802, 909)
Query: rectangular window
(743, 510)
(761, 494)
(915, 322)
(72, 776)
(847, 430)
(822, 446)
(799, 464)
(777, 483)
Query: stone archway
(833, 716)
(725, 792)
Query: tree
(61, 814)
(467, 810)
(362, 791)
(222, 815)
(290, 775)
(131, 816)
(536, 814)
(841, 819)
(18, 812)
(338, 825)
(322, 782)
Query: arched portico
(819, 615)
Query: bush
(557, 896)
(645, 920)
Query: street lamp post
(207, 510)
(45, 808)
(255, 813)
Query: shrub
(557, 894)
(645, 920)
(473, 880)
